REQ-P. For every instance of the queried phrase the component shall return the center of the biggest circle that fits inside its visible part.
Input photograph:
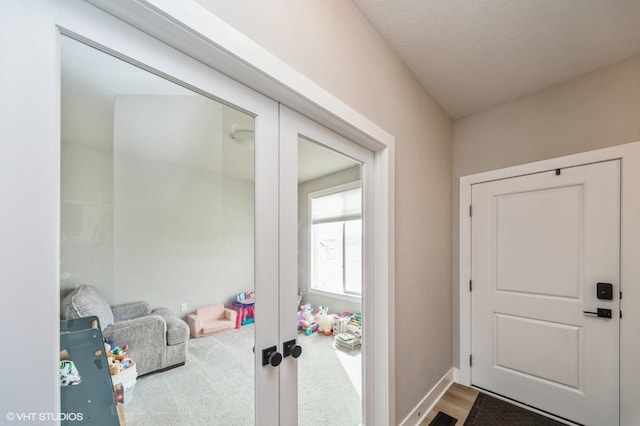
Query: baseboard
(456, 375)
(417, 415)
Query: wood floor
(456, 402)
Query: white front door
(541, 243)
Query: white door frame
(29, 264)
(629, 154)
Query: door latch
(602, 313)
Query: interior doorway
(152, 160)
(36, 106)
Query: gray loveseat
(156, 339)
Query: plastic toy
(117, 358)
(306, 321)
(309, 330)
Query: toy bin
(128, 378)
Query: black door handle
(271, 356)
(291, 348)
(602, 313)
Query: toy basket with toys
(123, 371)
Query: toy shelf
(93, 397)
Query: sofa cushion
(212, 312)
(86, 301)
(215, 326)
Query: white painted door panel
(540, 244)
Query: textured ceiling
(473, 54)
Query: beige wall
(597, 110)
(331, 43)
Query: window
(336, 240)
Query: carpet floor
(216, 385)
(490, 411)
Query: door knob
(291, 348)
(271, 356)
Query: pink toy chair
(211, 319)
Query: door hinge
(470, 360)
(620, 314)
(470, 210)
(558, 171)
(620, 295)
(470, 285)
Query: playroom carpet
(216, 385)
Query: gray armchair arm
(131, 310)
(177, 330)
(146, 340)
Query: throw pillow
(86, 301)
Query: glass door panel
(326, 209)
(330, 286)
(158, 205)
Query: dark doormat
(490, 411)
(443, 419)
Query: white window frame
(344, 295)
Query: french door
(159, 151)
(168, 194)
(318, 164)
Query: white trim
(334, 190)
(426, 404)
(629, 154)
(456, 375)
(348, 297)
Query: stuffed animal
(305, 319)
(114, 366)
(324, 320)
(117, 358)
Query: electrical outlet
(183, 307)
